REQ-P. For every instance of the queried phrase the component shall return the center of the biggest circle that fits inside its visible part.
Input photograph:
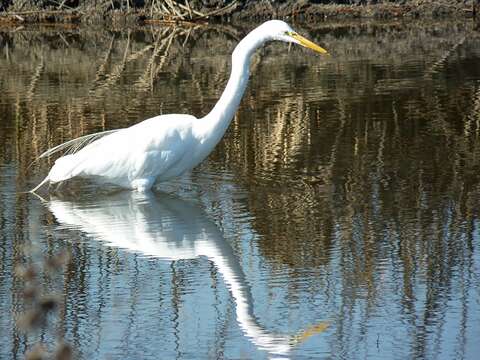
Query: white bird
(165, 146)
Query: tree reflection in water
(359, 177)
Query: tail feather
(44, 181)
(75, 145)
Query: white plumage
(165, 146)
(155, 149)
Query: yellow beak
(308, 44)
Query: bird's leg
(143, 185)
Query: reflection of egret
(173, 229)
(165, 146)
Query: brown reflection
(321, 160)
(91, 81)
(387, 165)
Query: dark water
(338, 217)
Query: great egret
(166, 146)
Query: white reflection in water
(168, 228)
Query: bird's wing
(73, 146)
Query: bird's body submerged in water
(166, 146)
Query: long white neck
(214, 124)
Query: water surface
(337, 218)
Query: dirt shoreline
(125, 11)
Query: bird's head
(280, 30)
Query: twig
(189, 9)
(198, 13)
(165, 9)
(60, 5)
(223, 9)
(39, 12)
(63, 39)
(170, 4)
(187, 37)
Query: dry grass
(176, 11)
(122, 11)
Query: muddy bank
(148, 11)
